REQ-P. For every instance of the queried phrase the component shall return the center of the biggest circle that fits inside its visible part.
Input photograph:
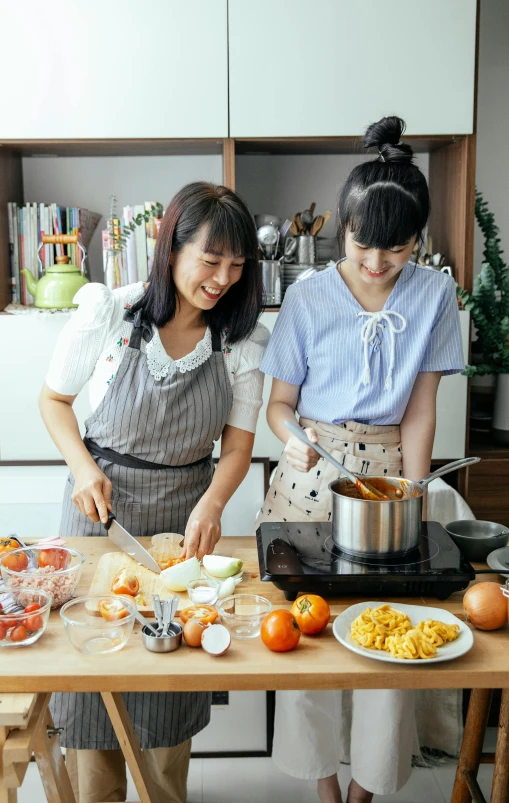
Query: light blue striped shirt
(353, 365)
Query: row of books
(128, 252)
(27, 225)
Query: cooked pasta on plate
(402, 633)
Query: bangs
(228, 235)
(383, 216)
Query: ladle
(367, 491)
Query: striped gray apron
(168, 426)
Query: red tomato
(312, 613)
(125, 583)
(8, 544)
(58, 558)
(34, 622)
(165, 564)
(280, 631)
(19, 633)
(112, 610)
(16, 562)
(3, 631)
(34, 606)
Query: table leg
(6, 795)
(471, 748)
(51, 764)
(133, 755)
(500, 787)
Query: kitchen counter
(318, 662)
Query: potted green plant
(489, 306)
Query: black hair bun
(386, 136)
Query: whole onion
(485, 606)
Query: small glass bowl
(89, 632)
(243, 614)
(13, 604)
(203, 591)
(61, 583)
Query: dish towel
(438, 712)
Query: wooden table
(317, 663)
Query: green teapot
(60, 283)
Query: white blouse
(92, 344)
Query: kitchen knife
(130, 545)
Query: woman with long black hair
(172, 367)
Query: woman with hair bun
(358, 351)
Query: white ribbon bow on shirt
(369, 333)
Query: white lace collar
(160, 364)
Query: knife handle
(111, 518)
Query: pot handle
(465, 461)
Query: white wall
(492, 175)
(284, 185)
(89, 181)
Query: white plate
(416, 613)
(499, 559)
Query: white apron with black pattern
(171, 422)
(364, 449)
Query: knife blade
(130, 545)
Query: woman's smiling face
(373, 265)
(201, 277)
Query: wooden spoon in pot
(367, 491)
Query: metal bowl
(476, 539)
(161, 643)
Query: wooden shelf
(482, 445)
(330, 145)
(114, 147)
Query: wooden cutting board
(150, 583)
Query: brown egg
(193, 630)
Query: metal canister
(306, 250)
(366, 527)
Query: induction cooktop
(302, 557)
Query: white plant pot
(500, 426)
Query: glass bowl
(17, 628)
(56, 570)
(243, 614)
(89, 632)
(203, 591)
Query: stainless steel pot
(365, 527)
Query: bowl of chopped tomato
(99, 623)
(56, 570)
(24, 615)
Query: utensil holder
(306, 250)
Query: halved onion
(216, 639)
(176, 578)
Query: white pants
(307, 736)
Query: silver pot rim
(397, 481)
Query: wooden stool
(466, 787)
(26, 728)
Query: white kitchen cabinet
(329, 68)
(27, 345)
(94, 69)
